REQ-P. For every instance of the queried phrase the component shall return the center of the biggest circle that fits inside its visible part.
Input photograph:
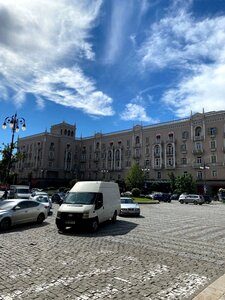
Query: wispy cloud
(195, 49)
(41, 46)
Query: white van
(19, 192)
(89, 202)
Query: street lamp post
(14, 123)
(204, 168)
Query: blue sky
(107, 65)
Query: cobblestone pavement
(172, 251)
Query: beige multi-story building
(194, 145)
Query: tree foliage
(185, 184)
(8, 159)
(135, 177)
(172, 178)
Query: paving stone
(172, 252)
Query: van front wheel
(94, 225)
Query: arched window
(169, 149)
(198, 131)
(157, 149)
(117, 154)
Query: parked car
(207, 199)
(20, 211)
(191, 198)
(174, 197)
(58, 197)
(44, 199)
(19, 192)
(161, 197)
(129, 207)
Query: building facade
(195, 146)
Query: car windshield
(80, 198)
(5, 205)
(23, 191)
(42, 199)
(127, 200)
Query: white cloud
(42, 44)
(135, 112)
(204, 90)
(195, 49)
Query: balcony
(196, 165)
(198, 138)
(198, 151)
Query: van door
(99, 207)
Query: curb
(152, 202)
(215, 291)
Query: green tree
(172, 178)
(185, 183)
(135, 177)
(8, 159)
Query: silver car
(20, 211)
(43, 198)
(129, 207)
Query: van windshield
(80, 198)
(23, 191)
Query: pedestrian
(5, 195)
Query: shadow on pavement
(121, 227)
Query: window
(199, 175)
(183, 147)
(198, 131)
(159, 175)
(213, 144)
(185, 135)
(157, 162)
(213, 159)
(157, 149)
(169, 149)
(147, 162)
(214, 173)
(183, 160)
(158, 137)
(199, 160)
(212, 131)
(117, 154)
(170, 162)
(170, 136)
(137, 140)
(198, 146)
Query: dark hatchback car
(207, 199)
(162, 197)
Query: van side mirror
(98, 204)
(99, 201)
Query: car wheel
(5, 224)
(61, 227)
(182, 201)
(114, 217)
(94, 225)
(40, 218)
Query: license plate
(70, 222)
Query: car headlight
(86, 215)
